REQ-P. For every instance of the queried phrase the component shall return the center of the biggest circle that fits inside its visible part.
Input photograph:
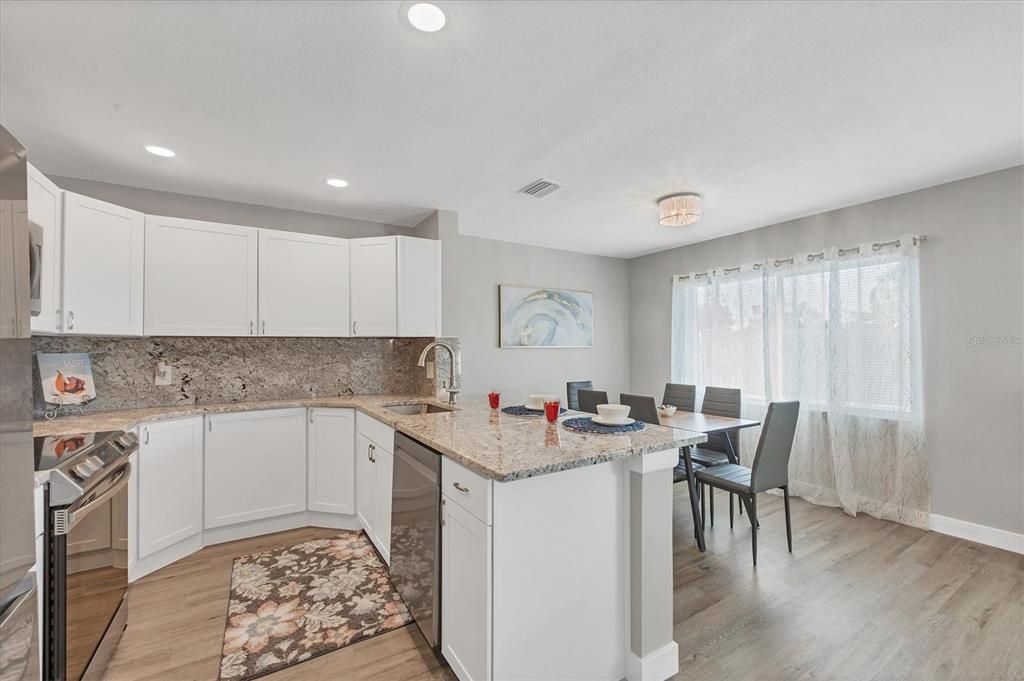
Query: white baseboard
(983, 534)
(658, 666)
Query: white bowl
(613, 413)
(667, 409)
(537, 401)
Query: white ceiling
(770, 110)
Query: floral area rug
(295, 603)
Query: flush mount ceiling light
(679, 209)
(426, 17)
(335, 182)
(159, 151)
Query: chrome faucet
(453, 368)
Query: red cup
(551, 409)
(494, 398)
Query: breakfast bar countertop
(496, 445)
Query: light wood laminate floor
(859, 599)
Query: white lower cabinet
(170, 483)
(465, 592)
(384, 463)
(365, 487)
(374, 468)
(331, 461)
(255, 466)
(375, 464)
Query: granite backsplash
(212, 370)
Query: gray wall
(473, 268)
(215, 210)
(972, 268)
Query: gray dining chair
(681, 396)
(589, 399)
(718, 402)
(770, 469)
(641, 407)
(572, 393)
(715, 452)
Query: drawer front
(381, 434)
(470, 490)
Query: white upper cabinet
(303, 284)
(419, 287)
(201, 278)
(46, 209)
(396, 286)
(103, 267)
(374, 286)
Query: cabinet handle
(353, 327)
(442, 511)
(71, 319)
(209, 424)
(264, 325)
(311, 416)
(252, 327)
(461, 488)
(373, 448)
(145, 436)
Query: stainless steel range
(87, 550)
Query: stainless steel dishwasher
(416, 533)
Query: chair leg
(741, 505)
(730, 511)
(789, 526)
(711, 503)
(703, 514)
(753, 525)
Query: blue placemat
(585, 424)
(523, 410)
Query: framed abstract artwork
(534, 317)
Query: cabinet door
(46, 209)
(170, 480)
(103, 267)
(303, 282)
(384, 465)
(465, 592)
(374, 286)
(366, 485)
(331, 460)
(133, 515)
(255, 466)
(200, 278)
(419, 287)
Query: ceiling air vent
(540, 188)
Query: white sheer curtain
(841, 333)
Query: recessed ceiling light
(335, 182)
(426, 17)
(159, 151)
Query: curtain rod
(811, 257)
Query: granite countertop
(493, 444)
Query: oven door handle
(118, 481)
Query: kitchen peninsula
(564, 539)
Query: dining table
(708, 424)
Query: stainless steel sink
(416, 408)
